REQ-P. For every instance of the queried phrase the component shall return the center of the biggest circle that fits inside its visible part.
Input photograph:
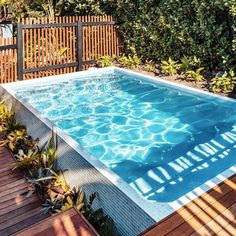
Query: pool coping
(163, 209)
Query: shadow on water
(182, 167)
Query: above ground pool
(161, 140)
(164, 140)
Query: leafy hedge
(159, 29)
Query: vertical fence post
(19, 52)
(79, 46)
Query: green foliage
(101, 222)
(76, 198)
(52, 205)
(24, 143)
(225, 83)
(12, 10)
(49, 153)
(175, 28)
(26, 161)
(4, 12)
(105, 61)
(13, 125)
(195, 74)
(150, 66)
(130, 62)
(169, 67)
(13, 138)
(189, 63)
(5, 112)
(83, 7)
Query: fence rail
(50, 46)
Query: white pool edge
(164, 208)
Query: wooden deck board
(67, 223)
(212, 213)
(14, 206)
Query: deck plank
(208, 214)
(14, 206)
(67, 223)
(13, 183)
(15, 213)
(219, 223)
(23, 224)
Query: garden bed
(205, 86)
(186, 71)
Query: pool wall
(129, 218)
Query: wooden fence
(57, 46)
(8, 60)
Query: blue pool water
(163, 141)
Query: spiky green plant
(169, 67)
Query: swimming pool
(165, 141)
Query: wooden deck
(22, 216)
(213, 213)
(68, 223)
(16, 211)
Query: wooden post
(19, 52)
(79, 46)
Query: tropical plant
(130, 62)
(13, 137)
(195, 74)
(59, 180)
(12, 125)
(52, 205)
(76, 198)
(49, 8)
(101, 222)
(169, 67)
(49, 153)
(150, 66)
(26, 161)
(105, 61)
(50, 185)
(25, 144)
(189, 63)
(224, 83)
(5, 115)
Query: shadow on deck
(213, 213)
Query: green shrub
(195, 74)
(173, 28)
(26, 161)
(225, 83)
(169, 67)
(150, 66)
(105, 61)
(130, 62)
(189, 63)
